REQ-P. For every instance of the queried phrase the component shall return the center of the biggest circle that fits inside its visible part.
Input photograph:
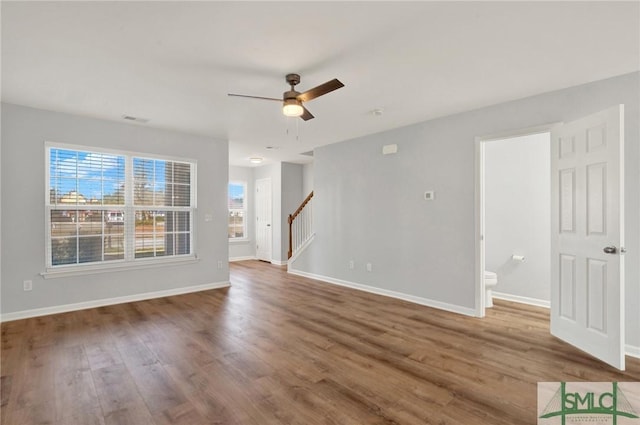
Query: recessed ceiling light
(376, 112)
(255, 160)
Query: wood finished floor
(280, 349)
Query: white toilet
(490, 281)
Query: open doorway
(514, 225)
(587, 232)
(517, 221)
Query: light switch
(429, 195)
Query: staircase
(300, 226)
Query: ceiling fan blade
(306, 115)
(254, 97)
(322, 89)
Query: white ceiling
(173, 63)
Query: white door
(587, 193)
(263, 219)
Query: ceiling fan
(292, 101)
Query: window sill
(57, 272)
(239, 240)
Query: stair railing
(300, 225)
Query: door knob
(610, 249)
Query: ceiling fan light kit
(292, 108)
(292, 100)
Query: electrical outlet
(27, 285)
(369, 267)
(220, 264)
(352, 265)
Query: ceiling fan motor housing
(290, 94)
(293, 79)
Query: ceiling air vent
(136, 119)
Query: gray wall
(517, 220)
(370, 208)
(24, 131)
(242, 249)
(1, 148)
(307, 179)
(291, 200)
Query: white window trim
(141, 263)
(129, 262)
(245, 201)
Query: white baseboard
(524, 300)
(250, 257)
(392, 294)
(275, 262)
(25, 314)
(632, 350)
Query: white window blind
(117, 207)
(162, 200)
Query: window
(237, 210)
(162, 199)
(105, 207)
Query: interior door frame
(480, 141)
